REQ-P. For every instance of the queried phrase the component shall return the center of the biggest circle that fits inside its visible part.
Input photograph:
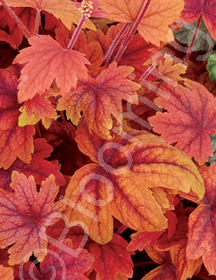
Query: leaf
(154, 26)
(213, 141)
(62, 262)
(185, 269)
(10, 31)
(190, 112)
(15, 141)
(111, 259)
(100, 98)
(203, 41)
(201, 234)
(61, 135)
(36, 109)
(38, 167)
(140, 240)
(56, 63)
(63, 9)
(194, 9)
(6, 273)
(166, 271)
(24, 216)
(119, 183)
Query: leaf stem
(132, 30)
(76, 33)
(37, 22)
(20, 24)
(193, 40)
(115, 42)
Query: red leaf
(15, 141)
(61, 135)
(10, 31)
(141, 239)
(61, 262)
(24, 216)
(100, 98)
(111, 259)
(38, 167)
(193, 9)
(190, 112)
(202, 224)
(56, 63)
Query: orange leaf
(190, 112)
(6, 273)
(63, 9)
(100, 98)
(185, 269)
(15, 141)
(119, 184)
(24, 216)
(56, 63)
(202, 224)
(154, 27)
(195, 8)
(111, 259)
(36, 109)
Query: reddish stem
(20, 24)
(132, 30)
(76, 33)
(193, 40)
(115, 42)
(37, 22)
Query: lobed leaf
(154, 26)
(99, 99)
(119, 184)
(190, 117)
(24, 215)
(56, 63)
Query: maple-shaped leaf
(63, 9)
(194, 9)
(36, 109)
(6, 273)
(191, 112)
(38, 167)
(56, 63)
(101, 98)
(24, 215)
(119, 182)
(15, 141)
(61, 262)
(154, 26)
(111, 258)
(202, 224)
(10, 31)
